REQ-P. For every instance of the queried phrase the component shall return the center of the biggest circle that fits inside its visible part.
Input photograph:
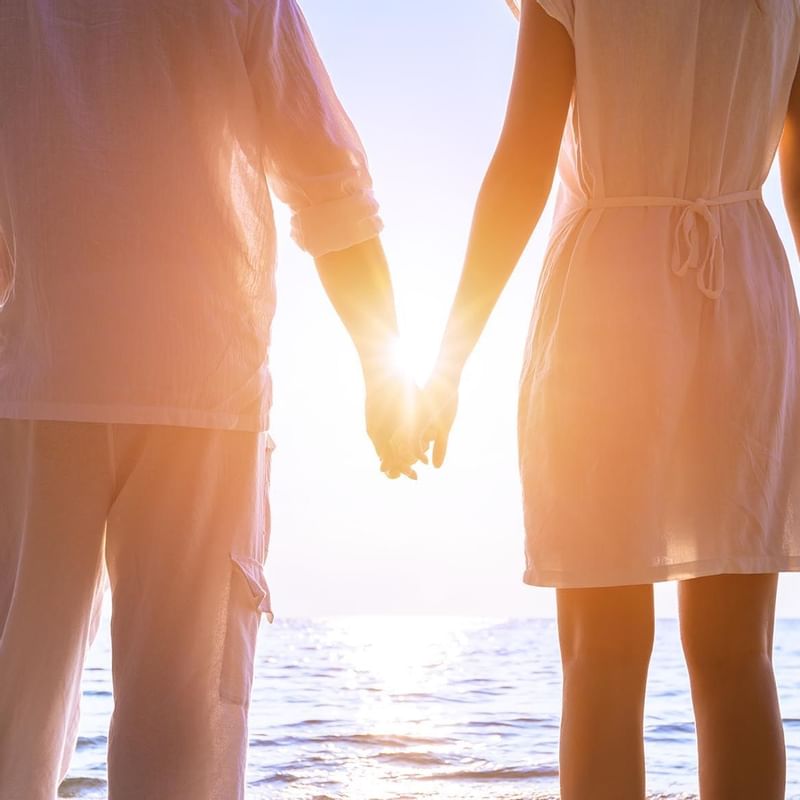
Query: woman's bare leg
(726, 627)
(606, 637)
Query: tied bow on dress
(691, 250)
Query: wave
(82, 787)
(674, 728)
(514, 722)
(497, 774)
(87, 742)
(277, 777)
(362, 739)
(412, 759)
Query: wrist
(449, 367)
(379, 368)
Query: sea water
(382, 708)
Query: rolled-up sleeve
(313, 157)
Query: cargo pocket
(6, 271)
(248, 599)
(266, 511)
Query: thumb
(440, 447)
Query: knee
(624, 652)
(715, 653)
(614, 639)
(726, 626)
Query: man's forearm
(359, 286)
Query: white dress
(659, 401)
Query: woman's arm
(511, 199)
(790, 161)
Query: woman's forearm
(517, 182)
(509, 205)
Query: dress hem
(668, 572)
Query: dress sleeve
(561, 10)
(313, 156)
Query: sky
(427, 89)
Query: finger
(393, 467)
(405, 455)
(427, 436)
(422, 448)
(439, 449)
(409, 472)
(388, 465)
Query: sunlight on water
(402, 654)
(419, 708)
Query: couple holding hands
(658, 411)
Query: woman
(658, 414)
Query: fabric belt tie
(687, 253)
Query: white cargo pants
(181, 517)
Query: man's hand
(392, 413)
(358, 284)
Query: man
(136, 265)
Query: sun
(412, 355)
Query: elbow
(526, 178)
(789, 158)
(790, 189)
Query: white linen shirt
(137, 241)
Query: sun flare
(413, 356)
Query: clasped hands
(404, 421)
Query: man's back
(133, 145)
(135, 137)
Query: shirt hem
(667, 572)
(135, 415)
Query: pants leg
(187, 537)
(54, 491)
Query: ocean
(383, 708)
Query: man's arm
(358, 284)
(511, 199)
(313, 157)
(315, 162)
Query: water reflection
(421, 708)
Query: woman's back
(685, 98)
(661, 379)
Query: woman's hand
(440, 404)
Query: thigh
(190, 516)
(187, 537)
(54, 495)
(727, 616)
(611, 622)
